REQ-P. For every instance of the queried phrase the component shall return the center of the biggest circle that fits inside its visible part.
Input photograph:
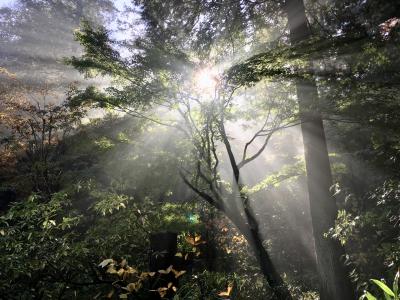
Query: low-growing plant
(389, 294)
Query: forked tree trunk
(243, 217)
(334, 281)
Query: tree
(35, 128)
(203, 114)
(334, 281)
(231, 197)
(296, 66)
(102, 209)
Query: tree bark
(334, 281)
(248, 226)
(250, 231)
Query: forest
(200, 149)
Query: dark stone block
(7, 196)
(163, 247)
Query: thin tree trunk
(250, 231)
(248, 226)
(334, 281)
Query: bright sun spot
(206, 79)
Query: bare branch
(268, 134)
(202, 194)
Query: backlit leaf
(178, 273)
(383, 287)
(226, 293)
(396, 283)
(166, 271)
(106, 262)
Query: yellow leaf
(162, 291)
(190, 240)
(178, 273)
(123, 263)
(120, 272)
(131, 287)
(169, 269)
(177, 254)
(194, 241)
(111, 270)
(144, 275)
(226, 293)
(131, 270)
(134, 286)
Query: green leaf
(370, 296)
(367, 295)
(383, 286)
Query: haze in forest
(230, 149)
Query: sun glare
(206, 79)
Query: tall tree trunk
(334, 281)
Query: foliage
(96, 192)
(51, 247)
(36, 126)
(388, 293)
(372, 233)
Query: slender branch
(256, 135)
(251, 158)
(202, 194)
